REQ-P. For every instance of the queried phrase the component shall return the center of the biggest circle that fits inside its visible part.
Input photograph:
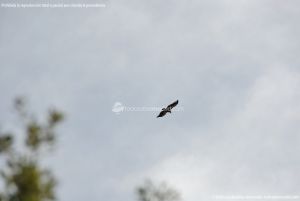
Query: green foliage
(5, 142)
(34, 135)
(23, 177)
(28, 182)
(161, 192)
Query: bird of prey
(164, 111)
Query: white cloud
(254, 153)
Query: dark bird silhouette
(164, 111)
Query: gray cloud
(232, 65)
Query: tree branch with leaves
(157, 192)
(23, 177)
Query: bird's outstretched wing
(162, 113)
(172, 105)
(168, 109)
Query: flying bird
(164, 111)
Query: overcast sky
(233, 65)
